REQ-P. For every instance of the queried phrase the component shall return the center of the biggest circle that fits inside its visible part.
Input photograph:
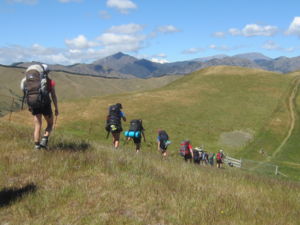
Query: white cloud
(234, 31)
(121, 42)
(193, 50)
(157, 60)
(271, 45)
(219, 34)
(80, 42)
(160, 55)
(221, 47)
(294, 28)
(123, 38)
(29, 2)
(36, 52)
(122, 5)
(75, 51)
(168, 29)
(126, 28)
(251, 30)
(104, 14)
(256, 30)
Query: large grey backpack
(36, 89)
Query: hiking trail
(291, 108)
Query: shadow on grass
(71, 146)
(9, 195)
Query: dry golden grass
(82, 180)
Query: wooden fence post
(276, 171)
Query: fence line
(10, 106)
(233, 162)
(255, 166)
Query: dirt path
(291, 108)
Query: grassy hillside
(72, 86)
(81, 180)
(84, 182)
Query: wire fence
(10, 104)
(254, 166)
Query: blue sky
(81, 31)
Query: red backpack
(219, 156)
(184, 148)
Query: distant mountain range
(121, 65)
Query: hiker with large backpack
(163, 142)
(114, 124)
(197, 155)
(186, 151)
(135, 133)
(38, 91)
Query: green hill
(72, 86)
(81, 180)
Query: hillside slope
(82, 180)
(72, 86)
(218, 107)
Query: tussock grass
(82, 180)
(86, 182)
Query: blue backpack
(134, 129)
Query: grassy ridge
(80, 182)
(72, 86)
(83, 181)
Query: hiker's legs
(138, 147)
(37, 127)
(116, 139)
(164, 153)
(137, 142)
(49, 120)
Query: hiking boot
(37, 147)
(44, 142)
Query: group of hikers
(39, 90)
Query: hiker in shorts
(219, 158)
(186, 150)
(38, 90)
(113, 123)
(163, 142)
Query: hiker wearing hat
(38, 90)
(113, 123)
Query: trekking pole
(54, 126)
(107, 134)
(23, 99)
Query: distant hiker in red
(186, 150)
(38, 90)
(219, 158)
(113, 123)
